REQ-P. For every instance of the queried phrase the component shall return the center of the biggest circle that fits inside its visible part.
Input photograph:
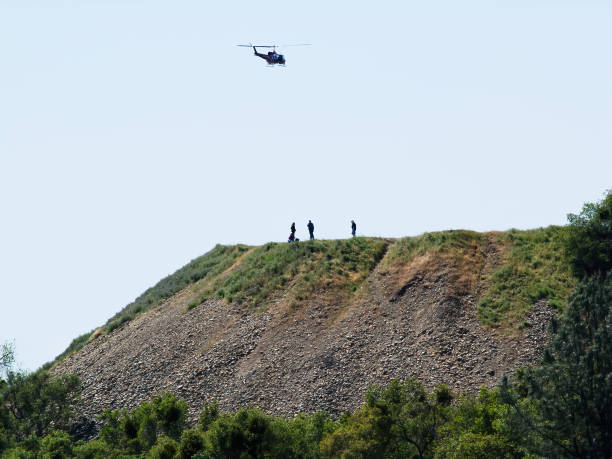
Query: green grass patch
(534, 268)
(301, 267)
(74, 346)
(408, 248)
(210, 264)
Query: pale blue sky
(134, 135)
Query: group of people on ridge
(310, 227)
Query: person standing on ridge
(353, 227)
(292, 235)
(310, 229)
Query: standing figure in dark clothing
(310, 229)
(353, 227)
(292, 235)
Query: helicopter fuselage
(271, 57)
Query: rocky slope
(403, 316)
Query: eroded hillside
(307, 326)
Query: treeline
(561, 407)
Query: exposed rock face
(417, 321)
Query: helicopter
(271, 57)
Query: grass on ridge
(301, 268)
(408, 248)
(534, 268)
(210, 264)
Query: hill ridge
(350, 313)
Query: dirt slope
(406, 319)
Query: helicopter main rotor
(273, 46)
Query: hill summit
(292, 327)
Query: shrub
(477, 428)
(19, 452)
(247, 434)
(37, 403)
(170, 414)
(165, 448)
(397, 421)
(56, 445)
(94, 449)
(136, 431)
(209, 414)
(192, 442)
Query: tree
(36, 404)
(56, 445)
(209, 413)
(566, 401)
(164, 448)
(7, 357)
(136, 431)
(589, 238)
(300, 436)
(397, 421)
(170, 414)
(478, 429)
(247, 434)
(192, 442)
(93, 449)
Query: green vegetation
(210, 264)
(302, 268)
(540, 263)
(479, 428)
(33, 405)
(7, 356)
(564, 405)
(559, 408)
(534, 268)
(143, 428)
(401, 420)
(453, 241)
(589, 241)
(74, 346)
